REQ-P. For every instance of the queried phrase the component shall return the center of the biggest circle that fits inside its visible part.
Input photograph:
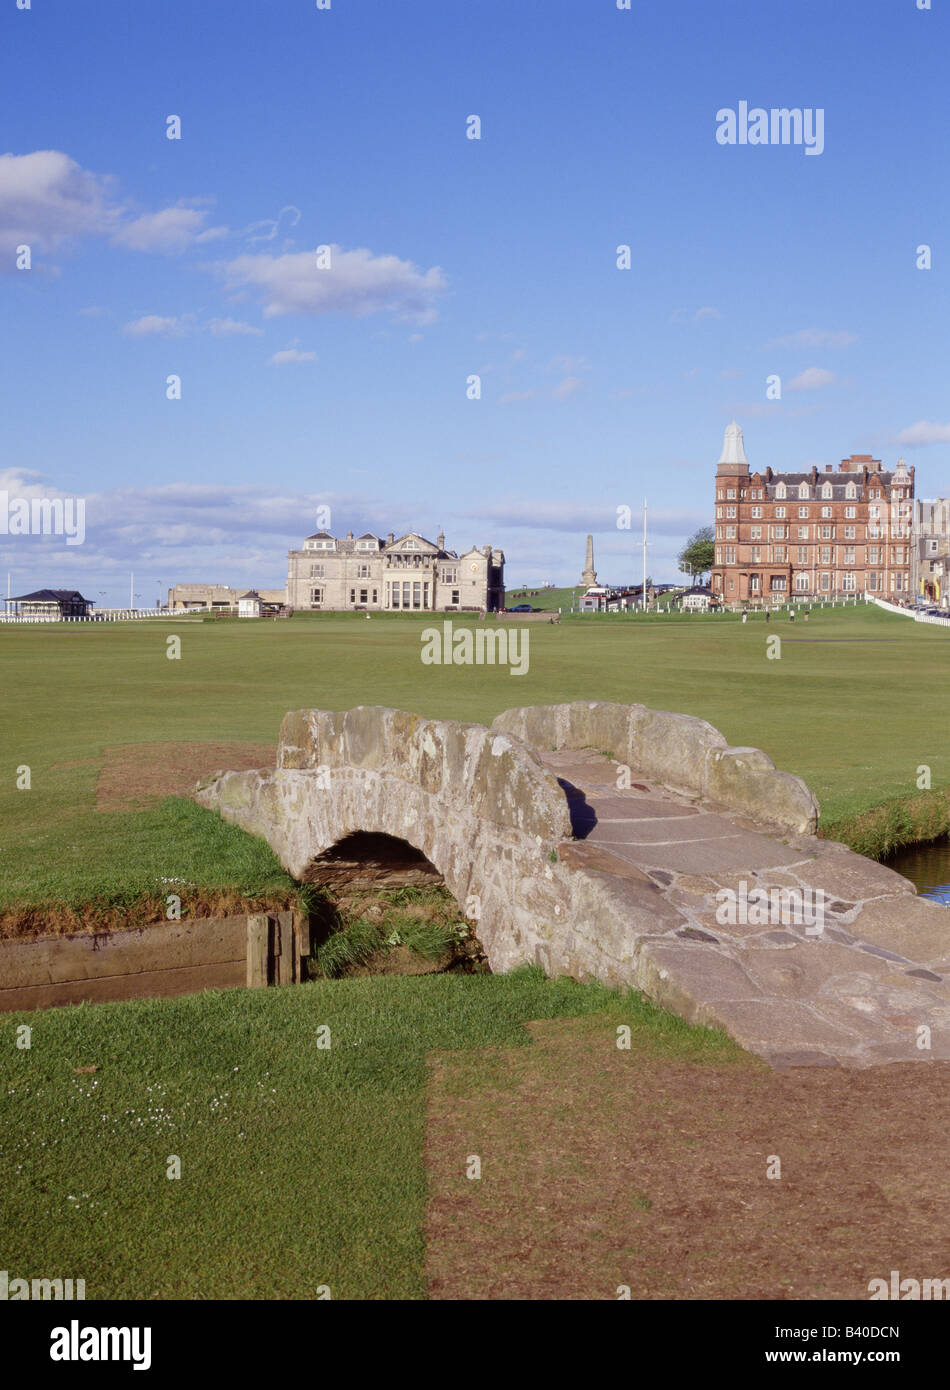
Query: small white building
(699, 599)
(250, 605)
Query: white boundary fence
(112, 615)
(909, 612)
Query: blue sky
(454, 257)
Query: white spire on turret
(733, 449)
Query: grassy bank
(301, 1165)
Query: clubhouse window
(364, 596)
(801, 583)
(826, 511)
(756, 511)
(826, 581)
(803, 511)
(755, 533)
(754, 584)
(777, 583)
(317, 571)
(803, 555)
(848, 582)
(456, 597)
(730, 511)
(779, 511)
(316, 598)
(803, 533)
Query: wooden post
(301, 944)
(258, 935)
(284, 946)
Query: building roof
(733, 449)
(52, 596)
(251, 593)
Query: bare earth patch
(134, 775)
(602, 1168)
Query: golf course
(346, 1172)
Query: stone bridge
(630, 845)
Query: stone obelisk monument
(589, 577)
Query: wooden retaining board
(160, 961)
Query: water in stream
(927, 866)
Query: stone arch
(476, 802)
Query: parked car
(521, 608)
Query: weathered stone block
(746, 778)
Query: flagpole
(644, 604)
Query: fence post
(258, 934)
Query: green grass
(854, 706)
(300, 1166)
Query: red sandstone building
(813, 535)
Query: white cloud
(155, 326)
(566, 388)
(706, 312)
(291, 355)
(810, 379)
(170, 230)
(923, 433)
(815, 337)
(581, 515)
(357, 283)
(231, 328)
(47, 199)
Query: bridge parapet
(681, 752)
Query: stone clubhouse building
(814, 535)
(410, 574)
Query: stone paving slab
(853, 971)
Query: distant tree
(696, 557)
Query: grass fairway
(301, 1166)
(853, 706)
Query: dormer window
(851, 490)
(826, 490)
(780, 490)
(803, 490)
